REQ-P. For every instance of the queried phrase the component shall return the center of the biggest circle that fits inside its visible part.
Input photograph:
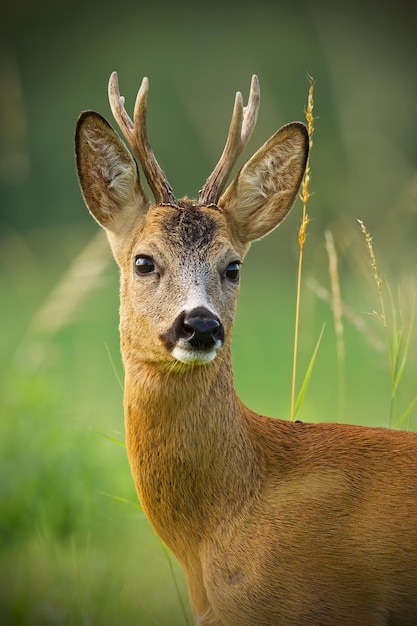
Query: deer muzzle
(195, 336)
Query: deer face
(179, 284)
(180, 260)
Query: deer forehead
(185, 233)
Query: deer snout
(202, 329)
(195, 336)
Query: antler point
(113, 80)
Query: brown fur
(274, 522)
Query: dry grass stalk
(79, 281)
(349, 314)
(302, 235)
(337, 309)
(378, 280)
(397, 340)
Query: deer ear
(265, 189)
(108, 175)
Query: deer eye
(144, 265)
(232, 271)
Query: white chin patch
(193, 357)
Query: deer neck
(188, 443)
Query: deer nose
(198, 329)
(202, 329)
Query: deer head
(180, 259)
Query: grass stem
(337, 309)
(397, 341)
(302, 235)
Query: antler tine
(250, 112)
(117, 105)
(241, 127)
(136, 134)
(156, 178)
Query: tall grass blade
(307, 377)
(174, 578)
(113, 365)
(119, 442)
(406, 413)
(136, 505)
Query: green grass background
(75, 548)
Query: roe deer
(274, 522)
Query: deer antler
(241, 127)
(137, 137)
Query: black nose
(199, 327)
(202, 328)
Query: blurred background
(75, 546)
